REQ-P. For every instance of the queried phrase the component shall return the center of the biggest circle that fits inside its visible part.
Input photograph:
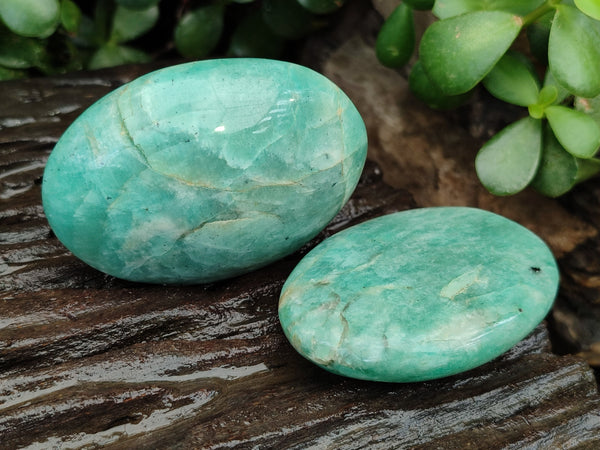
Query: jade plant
(557, 78)
(55, 36)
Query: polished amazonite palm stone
(203, 171)
(418, 295)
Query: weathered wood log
(87, 360)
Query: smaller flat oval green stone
(418, 295)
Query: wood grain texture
(87, 360)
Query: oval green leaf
(86, 36)
(17, 52)
(546, 97)
(70, 16)
(577, 132)
(11, 74)
(116, 55)
(590, 106)
(513, 79)
(137, 4)
(507, 163)
(459, 52)
(103, 18)
(536, 111)
(129, 24)
(396, 39)
(450, 8)
(420, 5)
(538, 34)
(574, 51)
(557, 172)
(31, 18)
(254, 39)
(322, 6)
(587, 168)
(589, 7)
(562, 93)
(199, 31)
(286, 18)
(429, 93)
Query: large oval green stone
(418, 295)
(203, 171)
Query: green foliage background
(558, 81)
(56, 36)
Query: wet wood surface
(87, 360)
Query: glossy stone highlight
(203, 171)
(418, 295)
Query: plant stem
(534, 15)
